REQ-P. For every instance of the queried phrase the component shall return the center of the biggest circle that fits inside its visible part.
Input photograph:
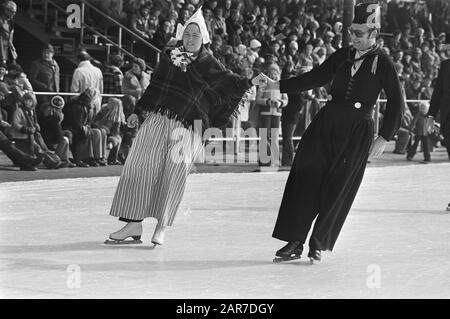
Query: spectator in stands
(162, 34)
(426, 91)
(25, 132)
(404, 133)
(3, 71)
(419, 38)
(270, 104)
(183, 16)
(328, 38)
(274, 49)
(242, 60)
(130, 129)
(113, 75)
(420, 130)
(337, 41)
(394, 43)
(89, 144)
(22, 80)
(413, 91)
(218, 24)
(416, 61)
(216, 47)
(227, 6)
(114, 9)
(110, 119)
(173, 21)
(306, 59)
(393, 12)
(405, 42)
(397, 57)
(319, 56)
(407, 65)
(136, 80)
(232, 22)
(44, 73)
(25, 161)
(87, 76)
(313, 27)
(178, 4)
(253, 53)
(131, 8)
(207, 13)
(165, 6)
(234, 39)
(292, 51)
(17, 78)
(8, 53)
(140, 23)
(50, 116)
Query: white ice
(394, 244)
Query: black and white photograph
(229, 151)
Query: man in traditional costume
(332, 155)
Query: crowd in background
(283, 38)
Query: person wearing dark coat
(25, 161)
(58, 140)
(440, 100)
(25, 132)
(88, 143)
(44, 73)
(162, 35)
(332, 155)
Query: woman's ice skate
(293, 250)
(314, 255)
(158, 236)
(132, 229)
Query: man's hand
(377, 147)
(429, 124)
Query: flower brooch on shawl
(181, 59)
(133, 121)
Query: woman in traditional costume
(188, 90)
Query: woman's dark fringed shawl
(206, 91)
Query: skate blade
(282, 259)
(123, 242)
(313, 261)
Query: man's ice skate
(132, 229)
(314, 255)
(293, 250)
(158, 235)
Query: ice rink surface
(394, 244)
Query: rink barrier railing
(237, 139)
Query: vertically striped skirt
(154, 176)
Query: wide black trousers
(326, 174)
